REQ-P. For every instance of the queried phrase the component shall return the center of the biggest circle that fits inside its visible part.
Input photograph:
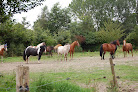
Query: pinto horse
(41, 44)
(2, 48)
(49, 49)
(111, 47)
(72, 46)
(63, 50)
(34, 52)
(127, 47)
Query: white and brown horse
(2, 49)
(63, 50)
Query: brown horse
(49, 49)
(127, 47)
(72, 46)
(111, 47)
(2, 48)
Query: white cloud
(32, 15)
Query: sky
(32, 14)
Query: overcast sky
(31, 15)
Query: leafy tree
(133, 37)
(63, 37)
(10, 7)
(55, 20)
(99, 11)
(111, 31)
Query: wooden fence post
(113, 72)
(22, 79)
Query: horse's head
(77, 43)
(124, 42)
(5, 47)
(117, 42)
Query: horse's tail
(24, 56)
(101, 50)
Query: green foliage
(55, 20)
(10, 7)
(42, 84)
(63, 37)
(99, 11)
(133, 37)
(111, 31)
(8, 82)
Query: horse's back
(108, 47)
(31, 51)
(127, 47)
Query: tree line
(91, 22)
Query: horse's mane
(114, 42)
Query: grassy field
(97, 80)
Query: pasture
(85, 73)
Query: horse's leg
(124, 53)
(72, 54)
(61, 57)
(132, 52)
(39, 57)
(2, 59)
(104, 54)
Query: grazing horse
(49, 49)
(2, 48)
(55, 48)
(127, 47)
(41, 44)
(34, 52)
(63, 50)
(72, 46)
(111, 47)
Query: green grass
(127, 72)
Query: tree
(55, 20)
(99, 11)
(10, 7)
(111, 31)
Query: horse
(111, 47)
(55, 48)
(127, 47)
(63, 50)
(34, 52)
(49, 49)
(72, 46)
(2, 49)
(41, 44)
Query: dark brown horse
(127, 47)
(72, 46)
(2, 48)
(49, 49)
(111, 47)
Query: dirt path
(83, 63)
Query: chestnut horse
(127, 47)
(111, 47)
(72, 46)
(2, 48)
